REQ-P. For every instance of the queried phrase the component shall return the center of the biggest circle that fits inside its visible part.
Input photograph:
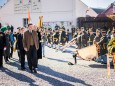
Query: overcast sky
(90, 3)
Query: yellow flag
(40, 22)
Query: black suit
(39, 51)
(2, 45)
(21, 50)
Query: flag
(40, 22)
(29, 19)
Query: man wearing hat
(103, 47)
(2, 47)
(91, 37)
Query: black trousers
(19, 55)
(32, 57)
(11, 53)
(22, 57)
(1, 57)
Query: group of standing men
(57, 37)
(27, 42)
(6, 44)
(30, 43)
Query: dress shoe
(31, 71)
(1, 66)
(23, 68)
(35, 71)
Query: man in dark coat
(39, 51)
(56, 38)
(8, 43)
(16, 35)
(2, 47)
(67, 36)
(83, 38)
(91, 37)
(12, 40)
(96, 40)
(21, 49)
(63, 36)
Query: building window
(113, 8)
(29, 1)
(25, 22)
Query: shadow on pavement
(67, 51)
(46, 70)
(99, 66)
(57, 60)
(18, 76)
(74, 47)
(53, 81)
(51, 72)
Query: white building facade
(61, 12)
